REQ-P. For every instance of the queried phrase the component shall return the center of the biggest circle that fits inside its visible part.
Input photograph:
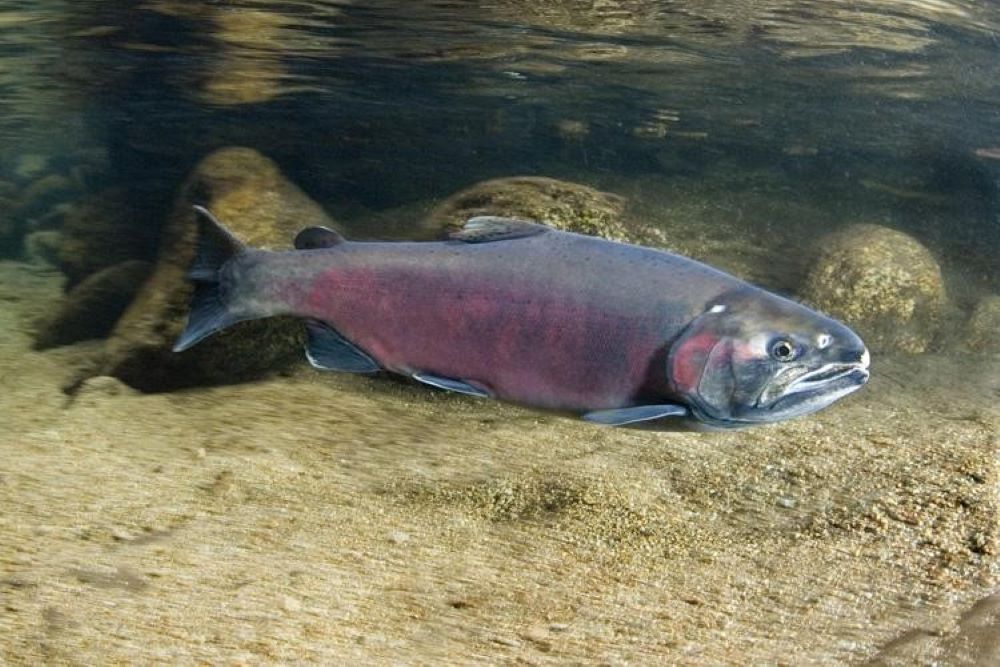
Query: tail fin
(209, 311)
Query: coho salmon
(617, 334)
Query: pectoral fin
(636, 415)
(449, 384)
(330, 351)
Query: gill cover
(700, 366)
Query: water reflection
(349, 93)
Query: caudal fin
(210, 311)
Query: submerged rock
(881, 281)
(21, 209)
(103, 385)
(561, 204)
(91, 309)
(983, 329)
(248, 193)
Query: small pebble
(399, 537)
(786, 502)
(504, 641)
(536, 633)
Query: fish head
(753, 357)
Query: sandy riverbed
(317, 517)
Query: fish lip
(826, 376)
(831, 384)
(827, 383)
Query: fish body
(516, 311)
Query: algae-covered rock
(983, 329)
(881, 281)
(563, 205)
(249, 194)
(91, 309)
(103, 230)
(20, 208)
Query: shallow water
(742, 132)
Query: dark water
(377, 104)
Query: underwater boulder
(983, 328)
(568, 206)
(90, 309)
(882, 282)
(20, 208)
(249, 194)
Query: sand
(335, 519)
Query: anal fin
(450, 384)
(328, 350)
(637, 416)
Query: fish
(514, 310)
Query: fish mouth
(797, 391)
(807, 393)
(827, 376)
(816, 389)
(793, 392)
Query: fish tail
(210, 309)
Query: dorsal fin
(312, 238)
(486, 228)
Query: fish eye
(783, 350)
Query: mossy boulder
(983, 329)
(249, 194)
(561, 204)
(91, 309)
(881, 281)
